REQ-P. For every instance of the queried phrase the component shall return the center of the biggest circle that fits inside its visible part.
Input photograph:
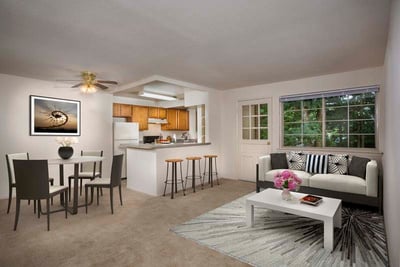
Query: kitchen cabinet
(158, 113)
(178, 120)
(140, 114)
(122, 110)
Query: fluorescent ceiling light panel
(156, 96)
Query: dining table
(75, 161)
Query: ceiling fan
(89, 84)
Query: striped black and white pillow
(317, 163)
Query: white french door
(254, 121)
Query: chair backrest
(116, 170)
(32, 179)
(10, 165)
(92, 166)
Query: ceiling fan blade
(110, 82)
(77, 85)
(100, 86)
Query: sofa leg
(257, 189)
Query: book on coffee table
(311, 200)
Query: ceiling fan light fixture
(156, 96)
(88, 88)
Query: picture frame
(54, 116)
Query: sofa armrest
(264, 165)
(371, 179)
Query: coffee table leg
(328, 234)
(249, 214)
(337, 220)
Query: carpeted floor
(280, 239)
(136, 235)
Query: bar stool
(193, 177)
(210, 172)
(174, 180)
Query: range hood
(157, 121)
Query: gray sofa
(349, 188)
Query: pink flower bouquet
(287, 180)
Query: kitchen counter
(146, 167)
(157, 146)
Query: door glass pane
(254, 121)
(254, 109)
(246, 134)
(263, 109)
(245, 111)
(264, 121)
(264, 133)
(245, 122)
(254, 133)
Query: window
(255, 121)
(344, 118)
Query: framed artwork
(54, 116)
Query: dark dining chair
(31, 182)
(113, 181)
(11, 175)
(88, 170)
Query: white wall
(391, 187)
(96, 123)
(229, 108)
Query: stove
(150, 139)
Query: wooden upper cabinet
(178, 120)
(158, 113)
(140, 114)
(183, 120)
(122, 110)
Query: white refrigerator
(125, 133)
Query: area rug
(281, 239)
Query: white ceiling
(220, 44)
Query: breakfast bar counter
(146, 167)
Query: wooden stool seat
(193, 158)
(210, 156)
(173, 160)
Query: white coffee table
(329, 211)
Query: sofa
(357, 183)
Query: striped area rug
(281, 239)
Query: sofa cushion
(337, 182)
(296, 160)
(338, 164)
(358, 166)
(305, 176)
(279, 161)
(317, 163)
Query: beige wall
(229, 109)
(96, 123)
(391, 187)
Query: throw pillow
(296, 160)
(358, 166)
(338, 164)
(317, 163)
(279, 161)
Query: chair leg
(34, 206)
(120, 194)
(69, 188)
(86, 192)
(48, 213)
(66, 203)
(80, 189)
(91, 192)
(97, 196)
(52, 183)
(39, 208)
(111, 200)
(29, 202)
(9, 199)
(17, 214)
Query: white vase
(286, 194)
